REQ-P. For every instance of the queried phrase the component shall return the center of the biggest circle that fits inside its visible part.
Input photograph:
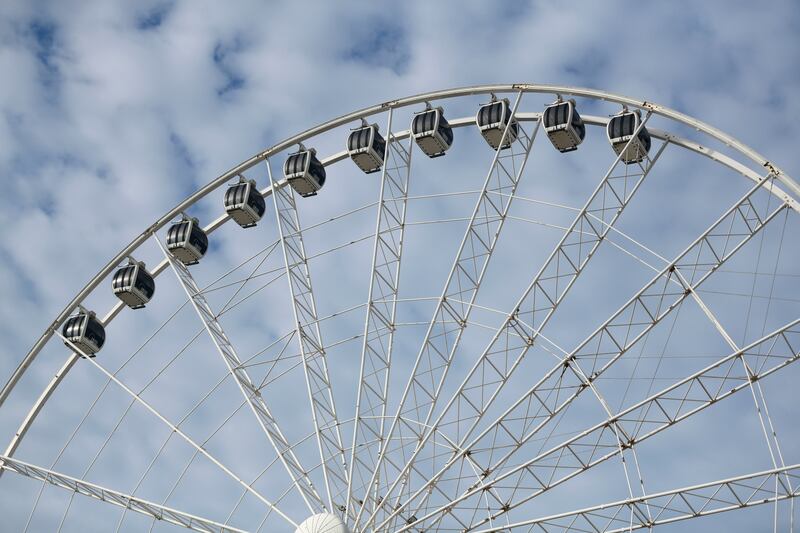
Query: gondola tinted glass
(564, 126)
(496, 124)
(187, 241)
(304, 172)
(198, 239)
(85, 332)
(367, 148)
(620, 130)
(432, 132)
(244, 203)
(133, 285)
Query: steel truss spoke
(538, 302)
(578, 369)
(175, 429)
(379, 326)
(455, 304)
(251, 392)
(315, 366)
(653, 415)
(671, 506)
(98, 492)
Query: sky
(113, 112)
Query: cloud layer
(110, 114)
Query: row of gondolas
(187, 241)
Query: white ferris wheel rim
(788, 194)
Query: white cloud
(112, 113)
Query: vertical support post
(315, 366)
(379, 324)
(455, 304)
(536, 305)
(251, 393)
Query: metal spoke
(175, 429)
(320, 394)
(645, 419)
(671, 506)
(455, 303)
(249, 390)
(538, 302)
(379, 325)
(564, 382)
(450, 452)
(98, 492)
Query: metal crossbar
(380, 322)
(98, 492)
(454, 305)
(565, 381)
(671, 506)
(249, 390)
(315, 366)
(536, 305)
(175, 429)
(653, 415)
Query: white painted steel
(671, 506)
(250, 392)
(535, 307)
(630, 323)
(379, 323)
(312, 349)
(364, 113)
(340, 483)
(126, 501)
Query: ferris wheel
(464, 333)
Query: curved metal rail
(366, 112)
(789, 197)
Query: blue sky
(111, 113)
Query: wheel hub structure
(495, 308)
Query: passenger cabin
(367, 148)
(187, 241)
(85, 332)
(304, 172)
(431, 131)
(621, 129)
(493, 119)
(133, 284)
(564, 125)
(244, 203)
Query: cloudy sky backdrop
(111, 113)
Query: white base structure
(323, 523)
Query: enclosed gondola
(493, 119)
(187, 241)
(133, 284)
(367, 147)
(244, 203)
(564, 126)
(85, 332)
(432, 132)
(621, 129)
(304, 172)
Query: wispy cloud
(110, 114)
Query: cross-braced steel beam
(455, 305)
(98, 492)
(645, 419)
(315, 366)
(251, 393)
(671, 506)
(379, 326)
(534, 308)
(564, 382)
(175, 429)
